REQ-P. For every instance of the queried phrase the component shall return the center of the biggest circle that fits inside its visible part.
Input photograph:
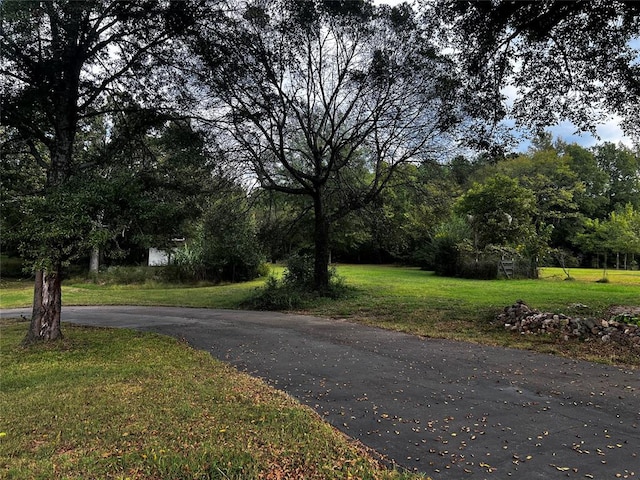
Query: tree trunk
(94, 261)
(321, 243)
(47, 304)
(47, 292)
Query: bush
(295, 289)
(264, 269)
(202, 260)
(445, 250)
(484, 269)
(447, 257)
(275, 295)
(299, 272)
(187, 265)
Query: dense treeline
(245, 130)
(556, 204)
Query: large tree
(500, 211)
(62, 61)
(621, 168)
(567, 60)
(310, 94)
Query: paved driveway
(450, 409)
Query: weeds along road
(452, 410)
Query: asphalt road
(450, 409)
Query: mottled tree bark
(47, 305)
(47, 292)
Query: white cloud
(609, 131)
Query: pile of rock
(519, 317)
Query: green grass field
(118, 404)
(405, 299)
(380, 288)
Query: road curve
(452, 410)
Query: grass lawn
(121, 404)
(421, 303)
(405, 299)
(127, 405)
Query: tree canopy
(567, 60)
(64, 63)
(325, 99)
(330, 124)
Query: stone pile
(519, 317)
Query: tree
(623, 228)
(284, 223)
(547, 173)
(405, 216)
(61, 62)
(149, 178)
(595, 239)
(618, 233)
(567, 60)
(307, 94)
(622, 172)
(223, 245)
(500, 211)
(593, 201)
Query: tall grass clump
(206, 260)
(296, 287)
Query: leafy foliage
(500, 211)
(358, 92)
(223, 246)
(59, 71)
(567, 60)
(295, 289)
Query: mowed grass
(418, 302)
(409, 300)
(121, 404)
(20, 294)
(395, 292)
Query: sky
(608, 131)
(566, 131)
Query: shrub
(217, 256)
(444, 251)
(187, 265)
(295, 289)
(483, 269)
(299, 272)
(275, 295)
(264, 269)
